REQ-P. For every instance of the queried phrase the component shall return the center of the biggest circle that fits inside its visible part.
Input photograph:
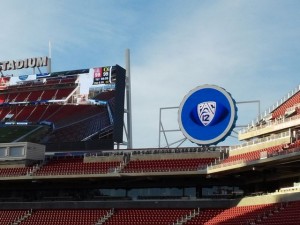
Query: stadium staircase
(106, 217)
(22, 218)
(186, 218)
(121, 166)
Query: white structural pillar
(128, 100)
(49, 58)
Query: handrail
(260, 140)
(269, 123)
(240, 161)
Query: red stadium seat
(163, 165)
(71, 165)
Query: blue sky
(250, 48)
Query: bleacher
(54, 89)
(268, 214)
(64, 217)
(146, 216)
(15, 171)
(240, 159)
(264, 214)
(118, 162)
(24, 112)
(204, 216)
(282, 114)
(251, 156)
(288, 215)
(242, 214)
(149, 161)
(62, 94)
(280, 111)
(75, 165)
(7, 217)
(60, 115)
(166, 165)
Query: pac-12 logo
(206, 112)
(207, 115)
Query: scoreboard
(102, 75)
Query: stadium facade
(58, 164)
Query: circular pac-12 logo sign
(207, 115)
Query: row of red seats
(14, 172)
(264, 214)
(70, 165)
(59, 114)
(66, 166)
(239, 215)
(10, 216)
(251, 156)
(288, 215)
(280, 111)
(76, 165)
(29, 113)
(79, 113)
(146, 216)
(204, 216)
(136, 166)
(65, 217)
(49, 81)
(39, 95)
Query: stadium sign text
(207, 115)
(26, 63)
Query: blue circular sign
(207, 115)
(23, 77)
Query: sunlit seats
(251, 156)
(146, 216)
(163, 165)
(75, 165)
(280, 111)
(64, 217)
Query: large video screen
(76, 109)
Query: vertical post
(128, 99)
(49, 58)
(159, 129)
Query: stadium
(62, 161)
